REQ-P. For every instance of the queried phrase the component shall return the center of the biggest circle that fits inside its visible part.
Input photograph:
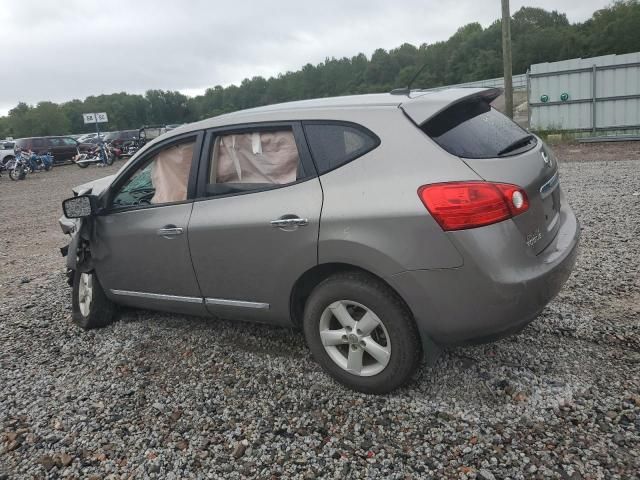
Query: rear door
(499, 150)
(60, 149)
(254, 230)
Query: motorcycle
(38, 163)
(19, 166)
(130, 148)
(103, 154)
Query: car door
(70, 148)
(254, 228)
(141, 254)
(39, 145)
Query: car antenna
(407, 90)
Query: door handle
(290, 222)
(170, 231)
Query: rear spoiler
(427, 104)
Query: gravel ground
(165, 396)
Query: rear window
(474, 129)
(333, 145)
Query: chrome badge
(545, 158)
(534, 237)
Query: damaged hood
(95, 187)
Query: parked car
(381, 225)
(88, 136)
(6, 152)
(117, 139)
(62, 148)
(150, 132)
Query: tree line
(472, 53)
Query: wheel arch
(305, 284)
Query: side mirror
(79, 207)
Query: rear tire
(91, 307)
(82, 165)
(356, 314)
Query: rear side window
(474, 129)
(333, 145)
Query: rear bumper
(500, 288)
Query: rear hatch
(499, 150)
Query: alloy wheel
(355, 338)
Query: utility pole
(506, 58)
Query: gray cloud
(63, 50)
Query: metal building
(599, 95)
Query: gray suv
(381, 225)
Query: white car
(6, 151)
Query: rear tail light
(462, 205)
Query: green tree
(471, 53)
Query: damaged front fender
(78, 252)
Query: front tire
(91, 307)
(17, 173)
(361, 333)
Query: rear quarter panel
(372, 216)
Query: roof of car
(418, 104)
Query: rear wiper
(521, 142)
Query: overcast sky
(60, 50)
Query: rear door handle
(170, 231)
(290, 222)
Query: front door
(141, 252)
(255, 231)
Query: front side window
(70, 141)
(253, 160)
(333, 145)
(163, 178)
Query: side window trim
(107, 197)
(356, 126)
(307, 164)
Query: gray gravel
(166, 396)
